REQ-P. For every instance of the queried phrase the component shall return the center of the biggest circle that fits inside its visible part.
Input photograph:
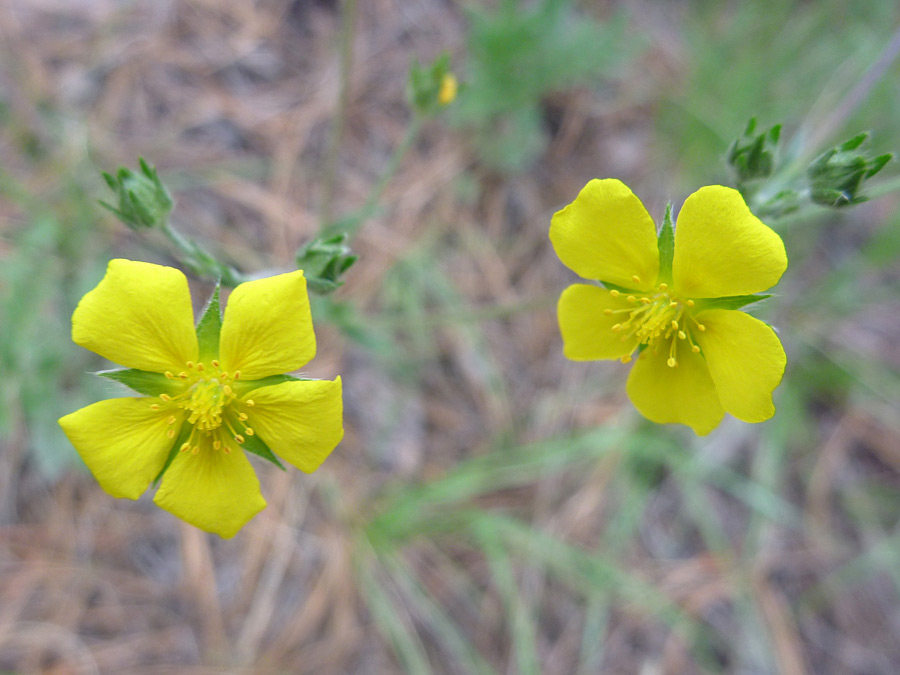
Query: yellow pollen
(195, 450)
(237, 375)
(631, 299)
(183, 375)
(200, 367)
(674, 325)
(690, 303)
(217, 444)
(165, 397)
(154, 406)
(224, 374)
(671, 362)
(239, 438)
(646, 301)
(701, 327)
(170, 433)
(617, 328)
(242, 416)
(663, 287)
(608, 312)
(190, 365)
(613, 292)
(227, 389)
(681, 335)
(635, 278)
(171, 420)
(626, 358)
(249, 431)
(215, 363)
(169, 375)
(249, 402)
(695, 349)
(184, 447)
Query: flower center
(656, 318)
(209, 402)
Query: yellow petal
(586, 331)
(722, 249)
(140, 316)
(684, 394)
(267, 329)
(212, 490)
(301, 422)
(745, 359)
(123, 442)
(607, 234)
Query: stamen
(195, 450)
(615, 329)
(701, 327)
(608, 312)
(228, 390)
(171, 420)
(154, 406)
(190, 365)
(242, 416)
(237, 375)
(690, 303)
(631, 299)
(215, 363)
(165, 397)
(224, 374)
(249, 402)
(239, 438)
(184, 447)
(183, 375)
(217, 444)
(626, 358)
(635, 278)
(249, 431)
(681, 335)
(169, 375)
(695, 349)
(645, 300)
(674, 325)
(613, 292)
(200, 367)
(170, 433)
(671, 362)
(663, 286)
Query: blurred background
(493, 508)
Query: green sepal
(242, 387)
(730, 302)
(183, 435)
(259, 448)
(666, 244)
(141, 381)
(209, 327)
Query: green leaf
(666, 244)
(182, 438)
(242, 387)
(209, 327)
(258, 447)
(731, 302)
(141, 381)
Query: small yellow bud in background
(448, 89)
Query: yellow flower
(673, 303)
(447, 92)
(209, 393)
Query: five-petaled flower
(673, 304)
(210, 392)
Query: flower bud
(142, 201)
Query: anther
(674, 325)
(165, 397)
(613, 292)
(695, 349)
(249, 431)
(673, 303)
(615, 329)
(626, 358)
(154, 406)
(631, 299)
(608, 312)
(195, 450)
(224, 374)
(200, 366)
(242, 416)
(184, 447)
(681, 335)
(690, 303)
(217, 444)
(227, 450)
(183, 375)
(646, 301)
(671, 362)
(190, 365)
(249, 402)
(237, 375)
(663, 286)
(635, 278)
(169, 375)
(170, 433)
(239, 438)
(227, 390)
(171, 419)
(215, 363)
(701, 327)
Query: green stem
(201, 263)
(337, 132)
